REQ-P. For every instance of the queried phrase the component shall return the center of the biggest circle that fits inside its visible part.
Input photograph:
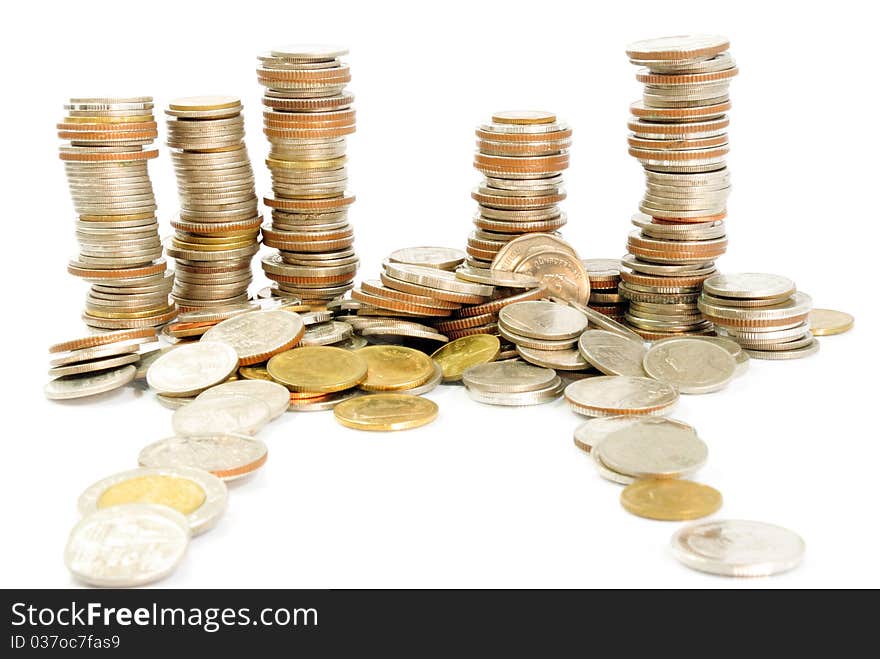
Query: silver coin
(749, 285)
(563, 360)
(443, 258)
(230, 413)
(541, 319)
(612, 353)
(192, 368)
(546, 394)
(174, 402)
(691, 365)
(326, 333)
(314, 317)
(98, 352)
(651, 447)
(738, 548)
(200, 520)
(496, 277)
(795, 306)
(127, 545)
(227, 456)
(353, 342)
(93, 366)
(507, 377)
(602, 321)
(89, 384)
(276, 396)
(536, 344)
(611, 395)
(810, 349)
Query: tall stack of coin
(120, 252)
(679, 135)
(522, 155)
(219, 224)
(308, 114)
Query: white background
(484, 497)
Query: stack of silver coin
(763, 313)
(512, 383)
(217, 231)
(120, 251)
(522, 155)
(308, 114)
(679, 135)
(545, 333)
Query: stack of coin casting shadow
(308, 115)
(120, 252)
(679, 135)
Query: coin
(276, 396)
(507, 377)
(190, 369)
(682, 47)
(691, 365)
(541, 319)
(127, 545)
(443, 258)
(89, 384)
(225, 413)
(227, 456)
(461, 354)
(670, 500)
(825, 322)
(546, 394)
(322, 369)
(738, 548)
(563, 275)
(562, 360)
(612, 353)
(195, 493)
(613, 395)
(383, 412)
(257, 335)
(749, 285)
(394, 368)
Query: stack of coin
(512, 383)
(120, 252)
(541, 325)
(308, 114)
(763, 313)
(604, 277)
(679, 135)
(217, 231)
(522, 155)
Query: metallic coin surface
(394, 368)
(749, 284)
(691, 365)
(546, 394)
(319, 369)
(127, 545)
(507, 377)
(226, 413)
(384, 412)
(443, 258)
(430, 384)
(670, 499)
(652, 447)
(190, 369)
(227, 456)
(825, 322)
(612, 353)
(738, 548)
(275, 395)
(561, 273)
(257, 335)
(461, 354)
(89, 384)
(541, 319)
(613, 395)
(561, 360)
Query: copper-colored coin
(524, 164)
(418, 289)
(649, 78)
(327, 103)
(310, 204)
(103, 339)
(639, 109)
(469, 322)
(77, 156)
(308, 133)
(143, 271)
(376, 288)
(518, 202)
(682, 47)
(396, 305)
(494, 306)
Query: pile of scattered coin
(522, 155)
(217, 230)
(120, 253)
(308, 114)
(763, 313)
(679, 135)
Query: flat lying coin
(322, 402)
(612, 353)
(276, 396)
(508, 377)
(620, 395)
(89, 384)
(562, 360)
(459, 355)
(430, 384)
(257, 335)
(192, 492)
(382, 412)
(320, 369)
(127, 545)
(226, 413)
(670, 500)
(691, 365)
(394, 368)
(540, 319)
(749, 285)
(443, 258)
(652, 447)
(825, 322)
(190, 369)
(737, 548)
(546, 394)
(228, 457)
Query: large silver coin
(691, 365)
(738, 548)
(230, 413)
(190, 369)
(611, 395)
(228, 456)
(127, 545)
(540, 319)
(562, 360)
(507, 377)
(199, 495)
(612, 353)
(257, 335)
(749, 285)
(89, 384)
(519, 398)
(442, 258)
(276, 396)
(650, 447)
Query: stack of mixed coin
(217, 230)
(763, 313)
(120, 251)
(604, 275)
(522, 155)
(679, 135)
(308, 114)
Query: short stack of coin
(764, 313)
(522, 155)
(604, 277)
(120, 252)
(308, 115)
(512, 383)
(217, 231)
(679, 135)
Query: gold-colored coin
(204, 103)
(825, 322)
(182, 494)
(394, 368)
(255, 372)
(386, 412)
(319, 369)
(523, 117)
(109, 120)
(459, 355)
(670, 500)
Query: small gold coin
(386, 412)
(394, 368)
(255, 372)
(523, 117)
(318, 369)
(204, 103)
(670, 500)
(459, 355)
(825, 322)
(182, 494)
